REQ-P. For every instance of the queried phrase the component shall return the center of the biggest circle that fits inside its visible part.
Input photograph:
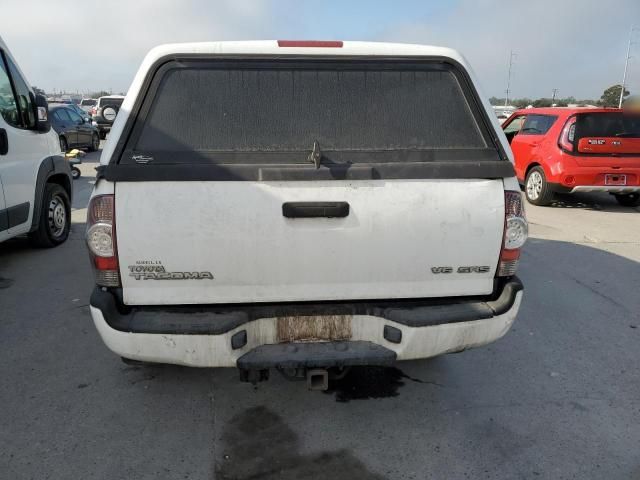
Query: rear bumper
(103, 127)
(605, 188)
(381, 332)
(566, 176)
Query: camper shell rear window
(356, 112)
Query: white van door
(25, 147)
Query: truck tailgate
(202, 242)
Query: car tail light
(101, 240)
(568, 135)
(94, 110)
(516, 231)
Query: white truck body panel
(396, 232)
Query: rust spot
(314, 328)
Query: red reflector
(310, 43)
(507, 254)
(105, 263)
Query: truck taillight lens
(516, 231)
(568, 135)
(101, 240)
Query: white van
(35, 178)
(304, 206)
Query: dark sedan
(73, 130)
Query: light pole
(511, 55)
(553, 98)
(626, 65)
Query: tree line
(609, 98)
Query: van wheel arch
(56, 170)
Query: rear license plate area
(613, 179)
(314, 328)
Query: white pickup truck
(304, 206)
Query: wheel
(75, 173)
(103, 135)
(95, 142)
(55, 218)
(536, 187)
(64, 146)
(628, 199)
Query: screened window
(270, 110)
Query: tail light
(101, 240)
(94, 110)
(568, 135)
(516, 231)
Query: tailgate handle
(315, 209)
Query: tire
(536, 187)
(628, 199)
(64, 146)
(55, 218)
(103, 135)
(95, 142)
(75, 173)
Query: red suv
(576, 150)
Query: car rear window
(249, 112)
(111, 101)
(87, 103)
(605, 124)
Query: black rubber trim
(392, 171)
(4, 220)
(4, 142)
(220, 319)
(18, 214)
(310, 355)
(315, 209)
(559, 188)
(50, 166)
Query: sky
(576, 46)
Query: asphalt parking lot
(557, 398)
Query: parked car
(73, 130)
(569, 150)
(75, 108)
(87, 104)
(35, 180)
(314, 211)
(104, 113)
